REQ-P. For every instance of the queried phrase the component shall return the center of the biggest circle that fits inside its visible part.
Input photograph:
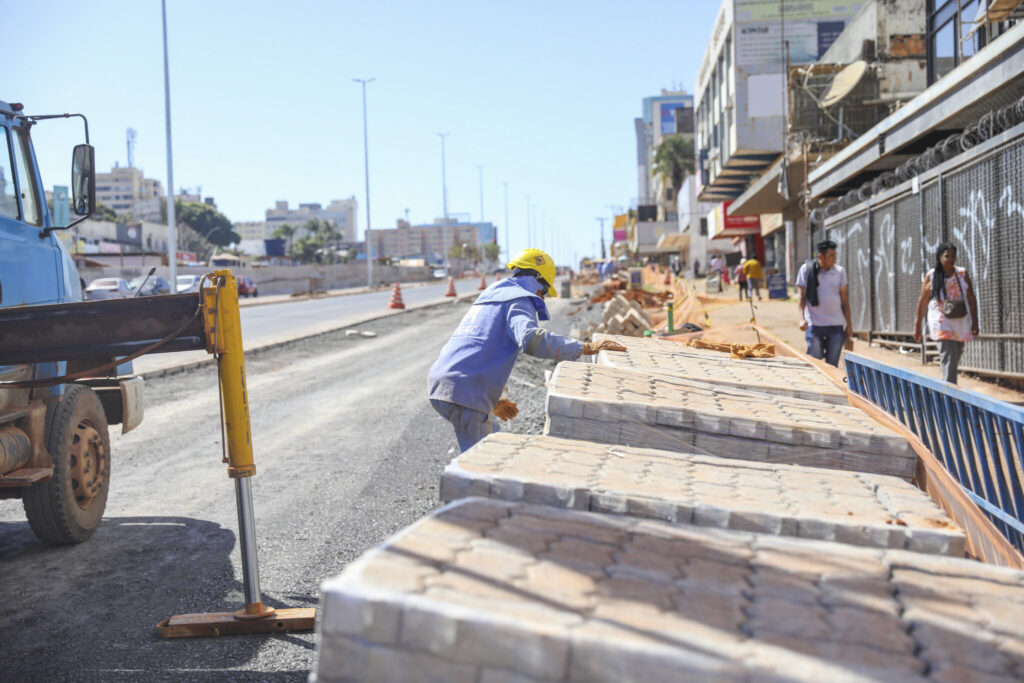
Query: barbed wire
(986, 127)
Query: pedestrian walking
(466, 382)
(947, 296)
(741, 280)
(696, 267)
(754, 275)
(824, 305)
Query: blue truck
(54, 439)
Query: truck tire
(68, 508)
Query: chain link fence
(976, 201)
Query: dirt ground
(782, 318)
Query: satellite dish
(844, 82)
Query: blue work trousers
(825, 342)
(470, 425)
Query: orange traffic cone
(451, 287)
(396, 298)
(483, 284)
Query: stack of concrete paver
(490, 591)
(590, 559)
(781, 376)
(624, 317)
(609, 405)
(788, 500)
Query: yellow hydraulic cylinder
(222, 323)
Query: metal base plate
(227, 624)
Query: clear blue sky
(543, 94)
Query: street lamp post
(444, 204)
(480, 169)
(172, 237)
(508, 245)
(529, 235)
(366, 167)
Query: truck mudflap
(123, 400)
(133, 403)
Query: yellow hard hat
(535, 259)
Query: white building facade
(740, 97)
(342, 212)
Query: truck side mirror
(83, 180)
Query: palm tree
(286, 232)
(674, 160)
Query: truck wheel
(68, 508)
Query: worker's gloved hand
(505, 409)
(590, 348)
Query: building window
(704, 227)
(956, 31)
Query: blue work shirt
(475, 364)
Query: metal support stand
(222, 325)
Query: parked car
(152, 286)
(108, 288)
(246, 287)
(187, 284)
(440, 272)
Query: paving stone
(612, 405)
(794, 378)
(687, 488)
(669, 603)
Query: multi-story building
(427, 241)
(341, 211)
(252, 230)
(741, 97)
(874, 66)
(670, 113)
(187, 196)
(129, 193)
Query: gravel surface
(348, 451)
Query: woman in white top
(945, 295)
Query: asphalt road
(263, 325)
(348, 451)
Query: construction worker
(466, 382)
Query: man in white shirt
(824, 305)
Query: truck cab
(54, 440)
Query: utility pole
(444, 204)
(172, 237)
(601, 221)
(508, 245)
(366, 167)
(480, 168)
(529, 232)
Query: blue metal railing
(979, 440)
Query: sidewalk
(781, 317)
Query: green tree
(207, 221)
(285, 232)
(103, 212)
(492, 251)
(305, 249)
(674, 160)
